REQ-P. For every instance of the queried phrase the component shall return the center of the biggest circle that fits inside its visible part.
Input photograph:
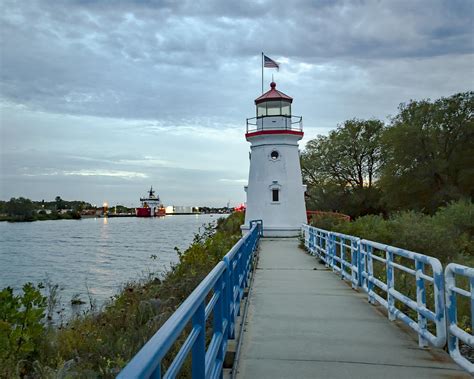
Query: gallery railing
(257, 124)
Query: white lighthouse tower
(275, 191)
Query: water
(92, 256)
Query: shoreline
(13, 219)
(102, 342)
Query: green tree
(341, 169)
(429, 151)
(3, 207)
(60, 204)
(21, 208)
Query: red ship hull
(146, 212)
(143, 212)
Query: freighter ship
(151, 206)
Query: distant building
(181, 209)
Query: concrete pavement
(303, 321)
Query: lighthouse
(275, 190)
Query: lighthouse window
(275, 195)
(261, 109)
(273, 108)
(274, 155)
(285, 108)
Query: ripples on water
(99, 254)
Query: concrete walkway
(304, 322)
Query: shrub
(447, 235)
(21, 328)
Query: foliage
(99, 344)
(447, 235)
(349, 156)
(424, 159)
(59, 203)
(21, 328)
(326, 220)
(430, 158)
(340, 169)
(20, 208)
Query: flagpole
(262, 71)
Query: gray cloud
(157, 58)
(117, 82)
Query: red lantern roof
(273, 94)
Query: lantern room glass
(285, 108)
(274, 108)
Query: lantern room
(273, 113)
(273, 103)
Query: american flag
(268, 62)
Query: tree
(341, 169)
(59, 203)
(21, 208)
(351, 155)
(429, 151)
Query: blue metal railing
(392, 259)
(225, 286)
(455, 333)
(371, 266)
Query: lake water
(99, 254)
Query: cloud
(234, 181)
(156, 60)
(115, 174)
(163, 88)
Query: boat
(151, 205)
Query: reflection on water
(98, 254)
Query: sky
(99, 100)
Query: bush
(21, 329)
(447, 235)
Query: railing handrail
(404, 252)
(256, 126)
(159, 344)
(323, 243)
(419, 305)
(236, 263)
(455, 333)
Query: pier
(305, 322)
(278, 311)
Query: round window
(274, 155)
